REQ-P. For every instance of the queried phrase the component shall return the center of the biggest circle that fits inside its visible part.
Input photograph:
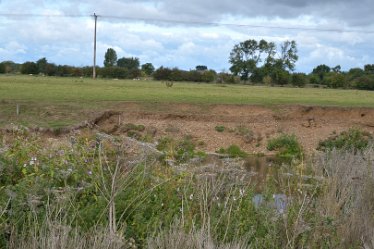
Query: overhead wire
(192, 22)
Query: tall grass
(348, 199)
(87, 193)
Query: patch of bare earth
(309, 124)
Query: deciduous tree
(110, 59)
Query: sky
(183, 34)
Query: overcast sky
(69, 40)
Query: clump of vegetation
(86, 194)
(287, 147)
(136, 132)
(180, 151)
(233, 151)
(247, 134)
(353, 139)
(132, 127)
(220, 128)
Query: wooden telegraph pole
(94, 57)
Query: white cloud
(70, 40)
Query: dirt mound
(248, 126)
(310, 124)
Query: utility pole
(94, 57)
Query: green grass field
(50, 89)
(61, 100)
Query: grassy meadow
(59, 90)
(57, 102)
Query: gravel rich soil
(247, 126)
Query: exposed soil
(246, 126)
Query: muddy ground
(249, 127)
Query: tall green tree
(257, 59)
(288, 55)
(201, 68)
(148, 68)
(369, 68)
(246, 56)
(42, 65)
(129, 63)
(321, 71)
(110, 58)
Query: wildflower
(33, 161)
(191, 197)
(241, 192)
(89, 172)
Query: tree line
(252, 62)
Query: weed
(246, 133)
(181, 151)
(287, 146)
(353, 139)
(232, 151)
(220, 128)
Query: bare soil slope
(249, 127)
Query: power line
(301, 28)
(172, 21)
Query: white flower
(191, 196)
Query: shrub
(267, 80)
(246, 133)
(287, 146)
(181, 151)
(365, 82)
(353, 139)
(233, 151)
(299, 79)
(220, 128)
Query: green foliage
(176, 74)
(29, 68)
(69, 183)
(2, 68)
(119, 72)
(110, 58)
(246, 56)
(233, 151)
(42, 65)
(220, 128)
(281, 77)
(287, 147)
(267, 80)
(201, 68)
(353, 139)
(180, 151)
(365, 82)
(321, 71)
(336, 80)
(128, 63)
(148, 68)
(369, 68)
(227, 78)
(299, 79)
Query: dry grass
(348, 200)
(177, 238)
